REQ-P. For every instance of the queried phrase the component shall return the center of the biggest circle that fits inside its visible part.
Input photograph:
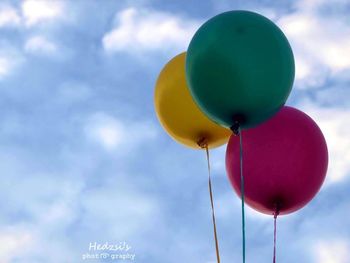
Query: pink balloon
(285, 162)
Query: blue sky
(84, 159)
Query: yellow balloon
(178, 113)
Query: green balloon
(239, 68)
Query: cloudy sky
(83, 158)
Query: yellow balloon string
(205, 145)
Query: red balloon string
(212, 203)
(275, 214)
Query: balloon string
(212, 206)
(275, 214)
(242, 191)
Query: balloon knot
(203, 143)
(277, 210)
(235, 128)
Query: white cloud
(313, 5)
(321, 44)
(69, 201)
(111, 133)
(9, 60)
(146, 30)
(132, 208)
(335, 124)
(14, 239)
(31, 13)
(9, 16)
(107, 131)
(36, 11)
(5, 66)
(44, 212)
(40, 45)
(319, 38)
(334, 251)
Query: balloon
(239, 68)
(284, 162)
(177, 112)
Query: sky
(84, 159)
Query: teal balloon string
(242, 192)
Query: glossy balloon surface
(177, 112)
(240, 67)
(284, 162)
